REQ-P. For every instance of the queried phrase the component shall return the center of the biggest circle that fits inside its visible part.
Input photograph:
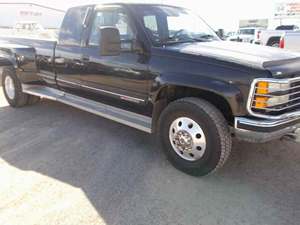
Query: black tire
(20, 99)
(275, 44)
(215, 129)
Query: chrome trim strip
(278, 110)
(68, 82)
(46, 76)
(271, 80)
(263, 136)
(123, 97)
(261, 123)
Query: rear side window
(72, 26)
(116, 18)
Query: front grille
(290, 104)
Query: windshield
(247, 31)
(168, 25)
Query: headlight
(274, 98)
(278, 100)
(269, 94)
(275, 87)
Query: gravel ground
(59, 165)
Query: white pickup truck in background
(286, 37)
(246, 34)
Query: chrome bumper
(260, 131)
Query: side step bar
(131, 119)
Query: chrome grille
(288, 98)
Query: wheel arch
(273, 40)
(226, 97)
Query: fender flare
(227, 90)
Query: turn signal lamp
(260, 100)
(264, 94)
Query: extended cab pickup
(162, 70)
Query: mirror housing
(110, 41)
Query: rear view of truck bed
(289, 40)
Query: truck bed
(41, 45)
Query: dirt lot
(59, 165)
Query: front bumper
(264, 130)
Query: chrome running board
(131, 119)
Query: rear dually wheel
(12, 89)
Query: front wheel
(195, 136)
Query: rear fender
(6, 61)
(22, 59)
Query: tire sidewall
(208, 162)
(275, 44)
(13, 102)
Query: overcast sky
(218, 13)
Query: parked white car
(32, 29)
(28, 27)
(247, 34)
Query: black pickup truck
(160, 69)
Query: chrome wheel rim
(187, 139)
(9, 87)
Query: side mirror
(110, 41)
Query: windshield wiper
(177, 42)
(203, 38)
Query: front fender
(227, 90)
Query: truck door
(68, 54)
(124, 77)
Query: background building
(12, 13)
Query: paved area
(59, 165)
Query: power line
(32, 4)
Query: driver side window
(113, 18)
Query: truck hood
(251, 55)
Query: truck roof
(135, 4)
(127, 4)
